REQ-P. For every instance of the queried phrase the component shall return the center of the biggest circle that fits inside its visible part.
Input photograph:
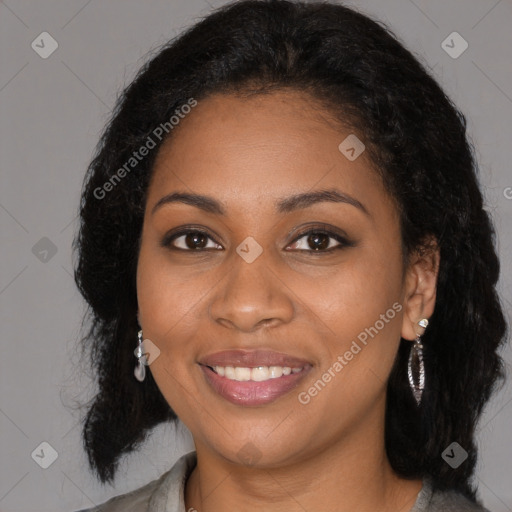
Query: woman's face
(253, 291)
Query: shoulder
(168, 488)
(133, 501)
(430, 500)
(452, 501)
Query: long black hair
(417, 139)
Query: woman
(283, 244)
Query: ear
(420, 287)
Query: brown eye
(196, 240)
(190, 240)
(320, 241)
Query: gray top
(166, 494)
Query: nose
(252, 296)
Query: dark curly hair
(416, 138)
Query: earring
(140, 369)
(415, 367)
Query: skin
(247, 153)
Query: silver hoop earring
(140, 368)
(415, 366)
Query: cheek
(361, 307)
(362, 288)
(165, 294)
(172, 303)
(166, 309)
(162, 297)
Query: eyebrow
(285, 205)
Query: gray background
(52, 111)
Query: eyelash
(342, 241)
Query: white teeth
(229, 372)
(242, 373)
(258, 374)
(275, 371)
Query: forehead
(254, 150)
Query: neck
(351, 474)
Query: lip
(251, 393)
(252, 359)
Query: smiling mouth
(256, 374)
(253, 386)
